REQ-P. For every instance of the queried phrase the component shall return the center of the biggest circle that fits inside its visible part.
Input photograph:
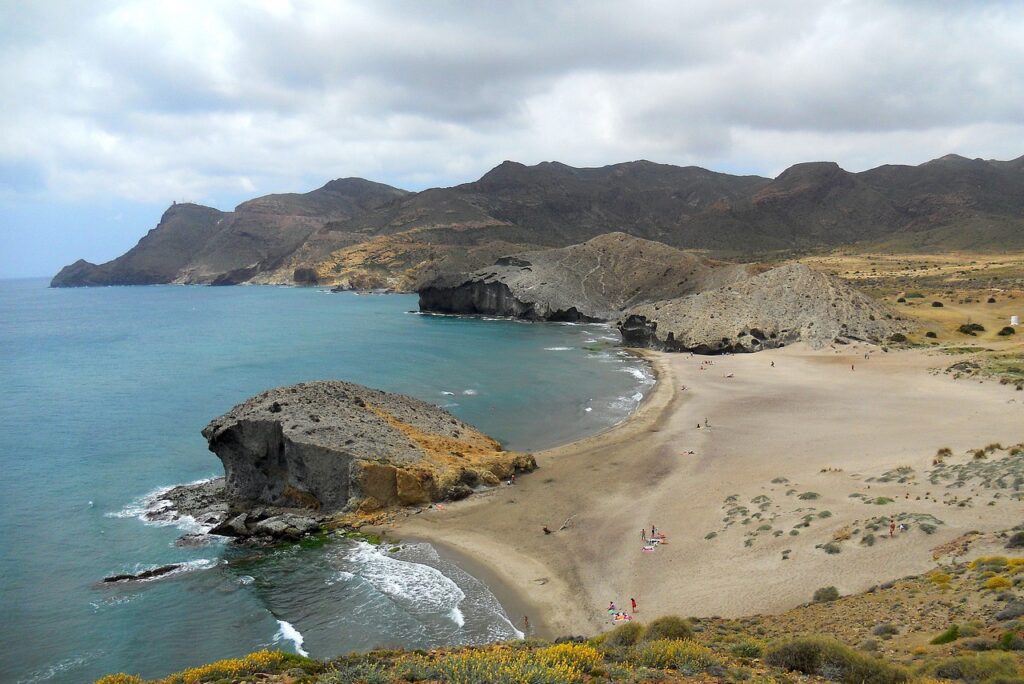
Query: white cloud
(151, 101)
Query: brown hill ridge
(355, 233)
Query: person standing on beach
(526, 623)
(892, 527)
(632, 602)
(643, 534)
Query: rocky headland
(791, 303)
(296, 457)
(592, 281)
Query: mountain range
(354, 233)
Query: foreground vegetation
(962, 623)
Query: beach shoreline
(831, 422)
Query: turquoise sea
(104, 392)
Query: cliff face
(787, 304)
(592, 281)
(337, 446)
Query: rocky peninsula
(295, 457)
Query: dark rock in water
(192, 540)
(144, 575)
(324, 447)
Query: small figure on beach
(546, 530)
(643, 534)
(511, 479)
(526, 623)
(892, 527)
(705, 422)
(632, 602)
(654, 531)
(611, 607)
(773, 364)
(851, 366)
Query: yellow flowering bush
(260, 661)
(505, 666)
(998, 582)
(580, 656)
(120, 678)
(671, 653)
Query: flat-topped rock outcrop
(592, 281)
(787, 304)
(334, 446)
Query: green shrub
(868, 539)
(826, 594)
(1006, 331)
(687, 656)
(832, 548)
(809, 496)
(951, 634)
(971, 328)
(747, 648)
(668, 627)
(975, 668)
(357, 673)
(623, 635)
(830, 659)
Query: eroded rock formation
(787, 304)
(334, 446)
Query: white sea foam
(457, 616)
(246, 579)
(557, 348)
(286, 632)
(641, 374)
(340, 576)
(469, 392)
(418, 588)
(627, 403)
(588, 409)
(448, 394)
(155, 510)
(59, 668)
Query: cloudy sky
(111, 110)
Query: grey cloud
(210, 99)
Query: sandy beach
(801, 450)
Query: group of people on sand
(653, 540)
(620, 615)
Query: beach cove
(806, 457)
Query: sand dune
(808, 425)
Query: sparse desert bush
(868, 539)
(809, 496)
(944, 452)
(930, 334)
(897, 338)
(951, 634)
(1012, 611)
(1010, 641)
(504, 666)
(1016, 541)
(831, 548)
(1006, 331)
(832, 660)
(826, 594)
(357, 673)
(937, 305)
(881, 501)
(582, 657)
(885, 629)
(928, 528)
(668, 627)
(973, 669)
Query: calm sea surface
(104, 392)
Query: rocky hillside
(592, 281)
(335, 446)
(787, 304)
(355, 233)
(197, 244)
